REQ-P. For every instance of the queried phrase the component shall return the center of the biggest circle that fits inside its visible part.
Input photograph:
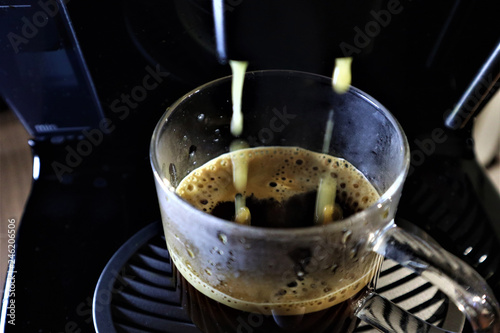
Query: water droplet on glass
(201, 116)
(172, 170)
(222, 237)
(346, 236)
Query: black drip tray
(137, 292)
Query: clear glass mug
(238, 278)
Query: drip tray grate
(137, 292)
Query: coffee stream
(238, 68)
(341, 78)
(326, 209)
(240, 167)
(240, 179)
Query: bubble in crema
(192, 150)
(300, 172)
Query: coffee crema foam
(278, 173)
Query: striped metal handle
(460, 282)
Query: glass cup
(240, 278)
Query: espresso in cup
(281, 192)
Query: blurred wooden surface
(15, 179)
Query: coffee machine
(89, 82)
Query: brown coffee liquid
(214, 317)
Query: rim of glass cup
(229, 226)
